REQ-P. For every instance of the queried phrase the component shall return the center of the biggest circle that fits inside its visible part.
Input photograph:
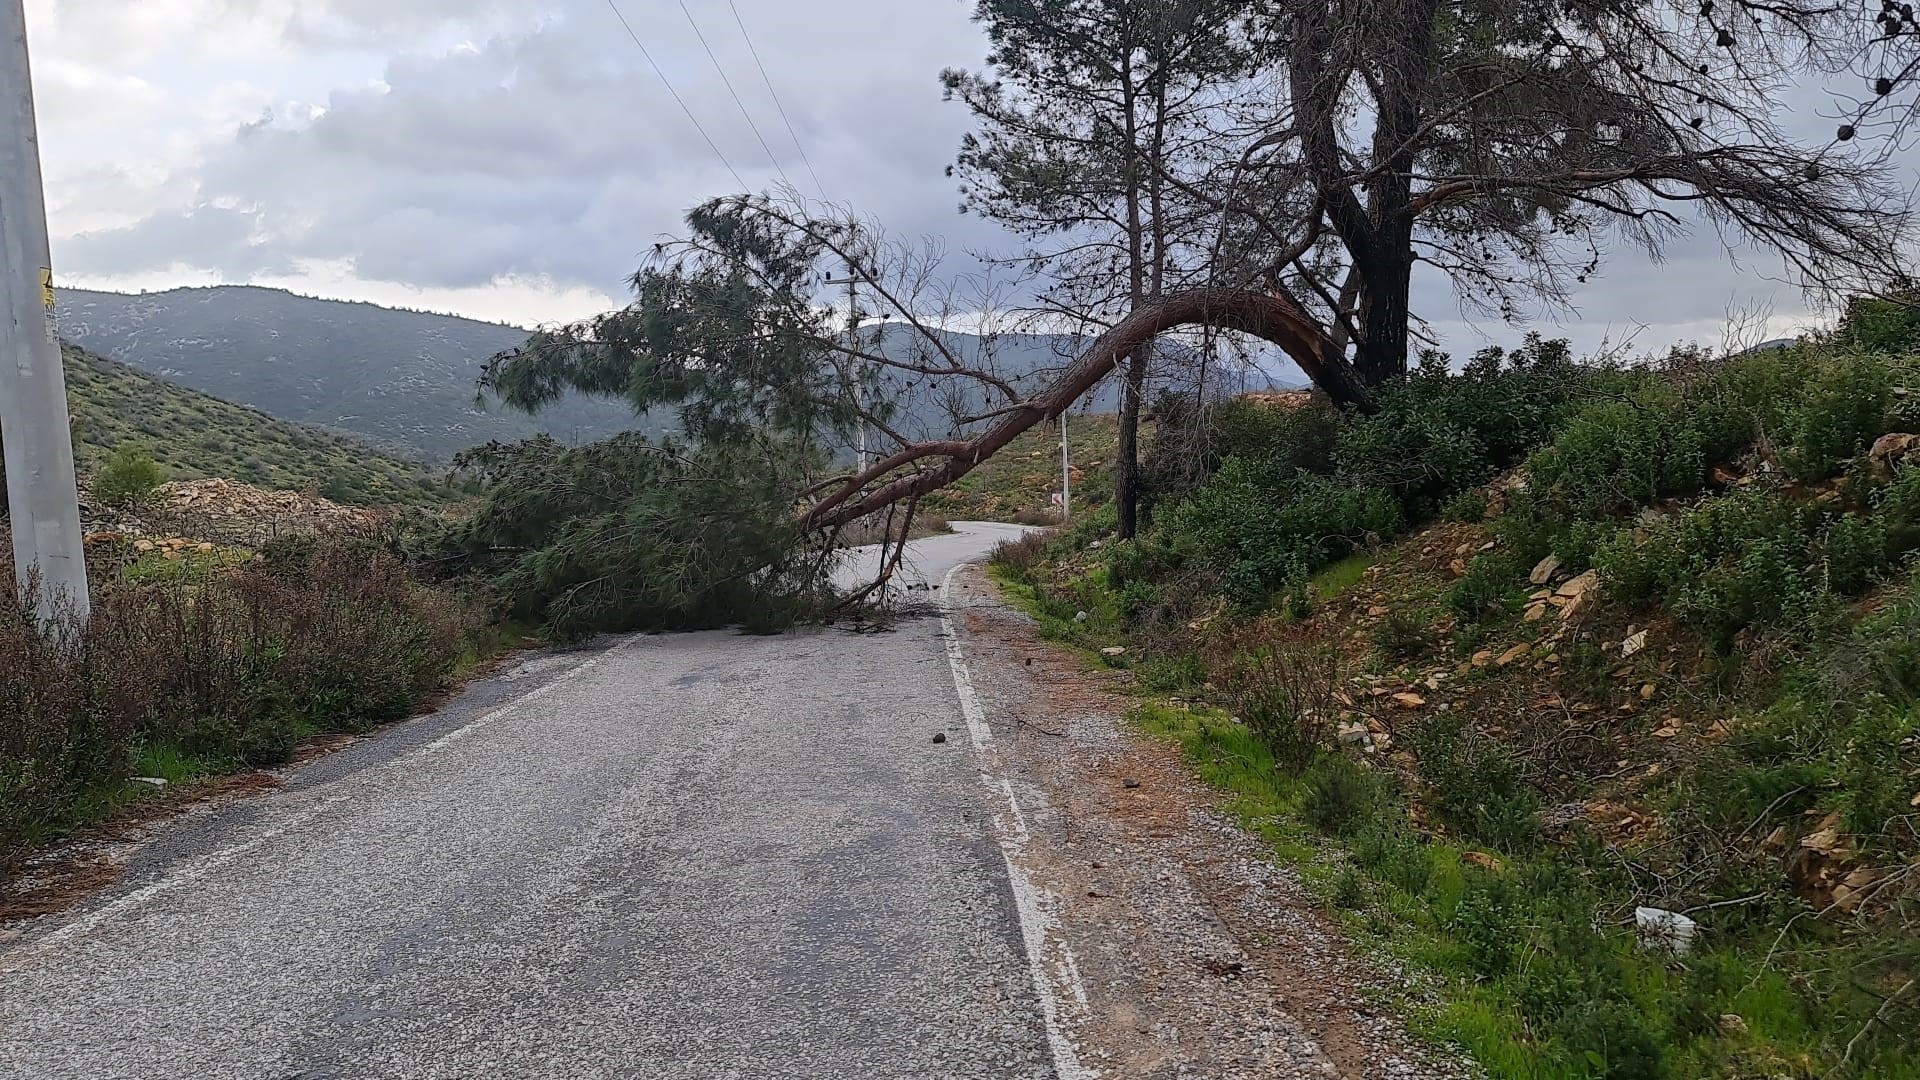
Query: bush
(1485, 588)
(1268, 526)
(1285, 692)
(1617, 455)
(129, 477)
(1342, 796)
(1754, 558)
(1842, 409)
(233, 669)
(1476, 786)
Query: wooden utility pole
(48, 548)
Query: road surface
(699, 855)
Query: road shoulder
(1197, 954)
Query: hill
(1591, 695)
(193, 436)
(402, 380)
(1018, 483)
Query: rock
(1114, 650)
(1409, 700)
(155, 782)
(1544, 570)
(939, 736)
(1578, 586)
(1634, 643)
(1535, 612)
(1130, 782)
(1354, 734)
(1095, 546)
(1482, 658)
(1825, 841)
(1891, 448)
(1080, 616)
(1458, 567)
(1732, 1024)
(1665, 931)
(1484, 861)
(1562, 815)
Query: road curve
(699, 855)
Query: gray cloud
(552, 151)
(533, 143)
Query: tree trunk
(1272, 317)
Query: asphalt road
(701, 855)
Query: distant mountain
(194, 436)
(1028, 362)
(403, 380)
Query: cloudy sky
(511, 159)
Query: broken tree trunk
(1272, 317)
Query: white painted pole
(42, 502)
(1066, 475)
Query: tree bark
(1272, 317)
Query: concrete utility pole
(42, 500)
(1066, 474)
(852, 282)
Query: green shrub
(1842, 409)
(1469, 507)
(1486, 588)
(129, 477)
(1476, 785)
(1401, 635)
(1753, 558)
(1341, 796)
(1617, 455)
(232, 669)
(1268, 526)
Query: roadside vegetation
(1541, 643)
(201, 661)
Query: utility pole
(48, 546)
(1066, 474)
(852, 282)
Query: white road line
(199, 869)
(207, 864)
(1038, 926)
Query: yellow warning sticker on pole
(46, 286)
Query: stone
(1130, 782)
(939, 736)
(1484, 861)
(1518, 652)
(154, 782)
(1634, 643)
(1409, 700)
(1578, 586)
(1544, 570)
(1114, 650)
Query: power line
(684, 10)
(715, 147)
(764, 77)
